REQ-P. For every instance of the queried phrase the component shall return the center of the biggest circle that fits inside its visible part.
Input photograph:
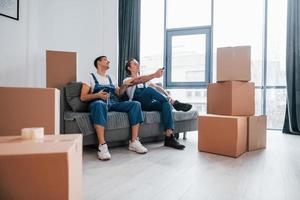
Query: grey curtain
(129, 33)
(292, 115)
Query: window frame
(206, 30)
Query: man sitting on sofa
(154, 98)
(103, 96)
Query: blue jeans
(99, 111)
(152, 100)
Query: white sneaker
(137, 147)
(103, 153)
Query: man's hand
(159, 73)
(103, 95)
(171, 100)
(128, 82)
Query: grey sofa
(75, 118)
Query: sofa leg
(184, 135)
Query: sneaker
(182, 106)
(103, 153)
(137, 147)
(172, 142)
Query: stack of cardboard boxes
(48, 168)
(230, 128)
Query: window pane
(241, 23)
(258, 102)
(276, 102)
(188, 13)
(188, 58)
(197, 97)
(152, 36)
(277, 11)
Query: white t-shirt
(103, 80)
(130, 90)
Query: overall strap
(95, 79)
(110, 81)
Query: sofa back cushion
(73, 90)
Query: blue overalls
(152, 100)
(99, 107)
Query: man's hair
(98, 59)
(128, 63)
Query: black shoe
(171, 141)
(182, 106)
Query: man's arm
(141, 79)
(145, 78)
(121, 90)
(87, 96)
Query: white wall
(86, 27)
(110, 34)
(13, 49)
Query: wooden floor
(164, 173)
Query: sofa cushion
(182, 116)
(73, 90)
(155, 117)
(115, 120)
(119, 120)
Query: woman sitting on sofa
(154, 98)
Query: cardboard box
(234, 63)
(257, 129)
(224, 135)
(29, 107)
(231, 98)
(44, 169)
(61, 68)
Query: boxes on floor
(234, 63)
(224, 135)
(257, 127)
(29, 107)
(231, 98)
(49, 168)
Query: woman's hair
(128, 63)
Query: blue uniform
(99, 107)
(152, 100)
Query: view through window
(241, 23)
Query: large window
(152, 36)
(238, 23)
(188, 43)
(188, 13)
(197, 97)
(173, 35)
(275, 89)
(181, 41)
